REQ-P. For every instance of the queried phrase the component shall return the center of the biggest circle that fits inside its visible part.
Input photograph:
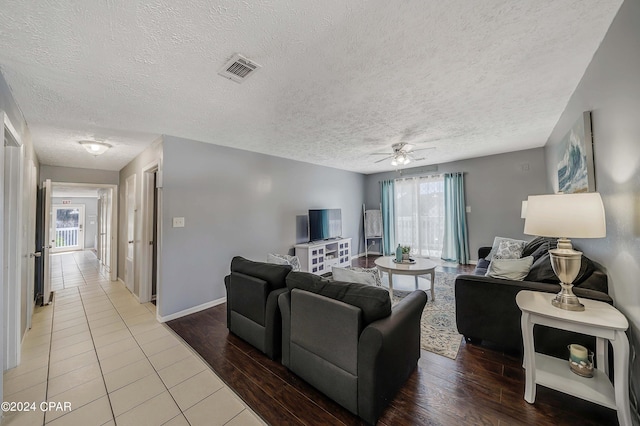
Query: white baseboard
(190, 311)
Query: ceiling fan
(403, 154)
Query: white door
(129, 260)
(68, 227)
(32, 187)
(47, 243)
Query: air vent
(238, 68)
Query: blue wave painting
(573, 165)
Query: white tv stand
(318, 257)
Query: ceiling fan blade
(386, 158)
(423, 149)
(379, 153)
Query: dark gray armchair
(346, 340)
(252, 303)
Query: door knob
(36, 254)
(131, 242)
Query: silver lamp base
(566, 264)
(567, 300)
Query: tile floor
(96, 347)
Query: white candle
(578, 353)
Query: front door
(68, 227)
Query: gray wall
(77, 175)
(237, 203)
(495, 187)
(90, 215)
(610, 88)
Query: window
(419, 214)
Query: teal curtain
(455, 247)
(387, 195)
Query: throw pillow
(370, 276)
(284, 259)
(510, 269)
(509, 249)
(496, 244)
(538, 243)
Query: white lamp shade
(566, 215)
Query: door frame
(146, 257)
(81, 224)
(113, 261)
(11, 299)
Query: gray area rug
(439, 333)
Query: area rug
(439, 333)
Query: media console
(318, 257)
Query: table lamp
(566, 216)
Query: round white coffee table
(420, 267)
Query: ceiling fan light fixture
(406, 160)
(95, 148)
(394, 162)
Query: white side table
(599, 319)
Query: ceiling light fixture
(95, 148)
(400, 158)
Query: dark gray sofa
(486, 309)
(252, 303)
(346, 340)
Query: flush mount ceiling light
(95, 148)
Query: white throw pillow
(369, 276)
(510, 269)
(284, 259)
(509, 249)
(496, 244)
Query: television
(325, 224)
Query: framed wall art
(575, 164)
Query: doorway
(129, 258)
(68, 227)
(151, 218)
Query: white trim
(11, 202)
(191, 310)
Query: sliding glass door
(419, 214)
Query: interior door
(43, 286)
(99, 240)
(129, 261)
(68, 227)
(32, 248)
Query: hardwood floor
(483, 385)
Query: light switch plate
(178, 222)
(468, 209)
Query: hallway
(100, 350)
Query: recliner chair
(252, 303)
(346, 340)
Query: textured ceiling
(339, 79)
